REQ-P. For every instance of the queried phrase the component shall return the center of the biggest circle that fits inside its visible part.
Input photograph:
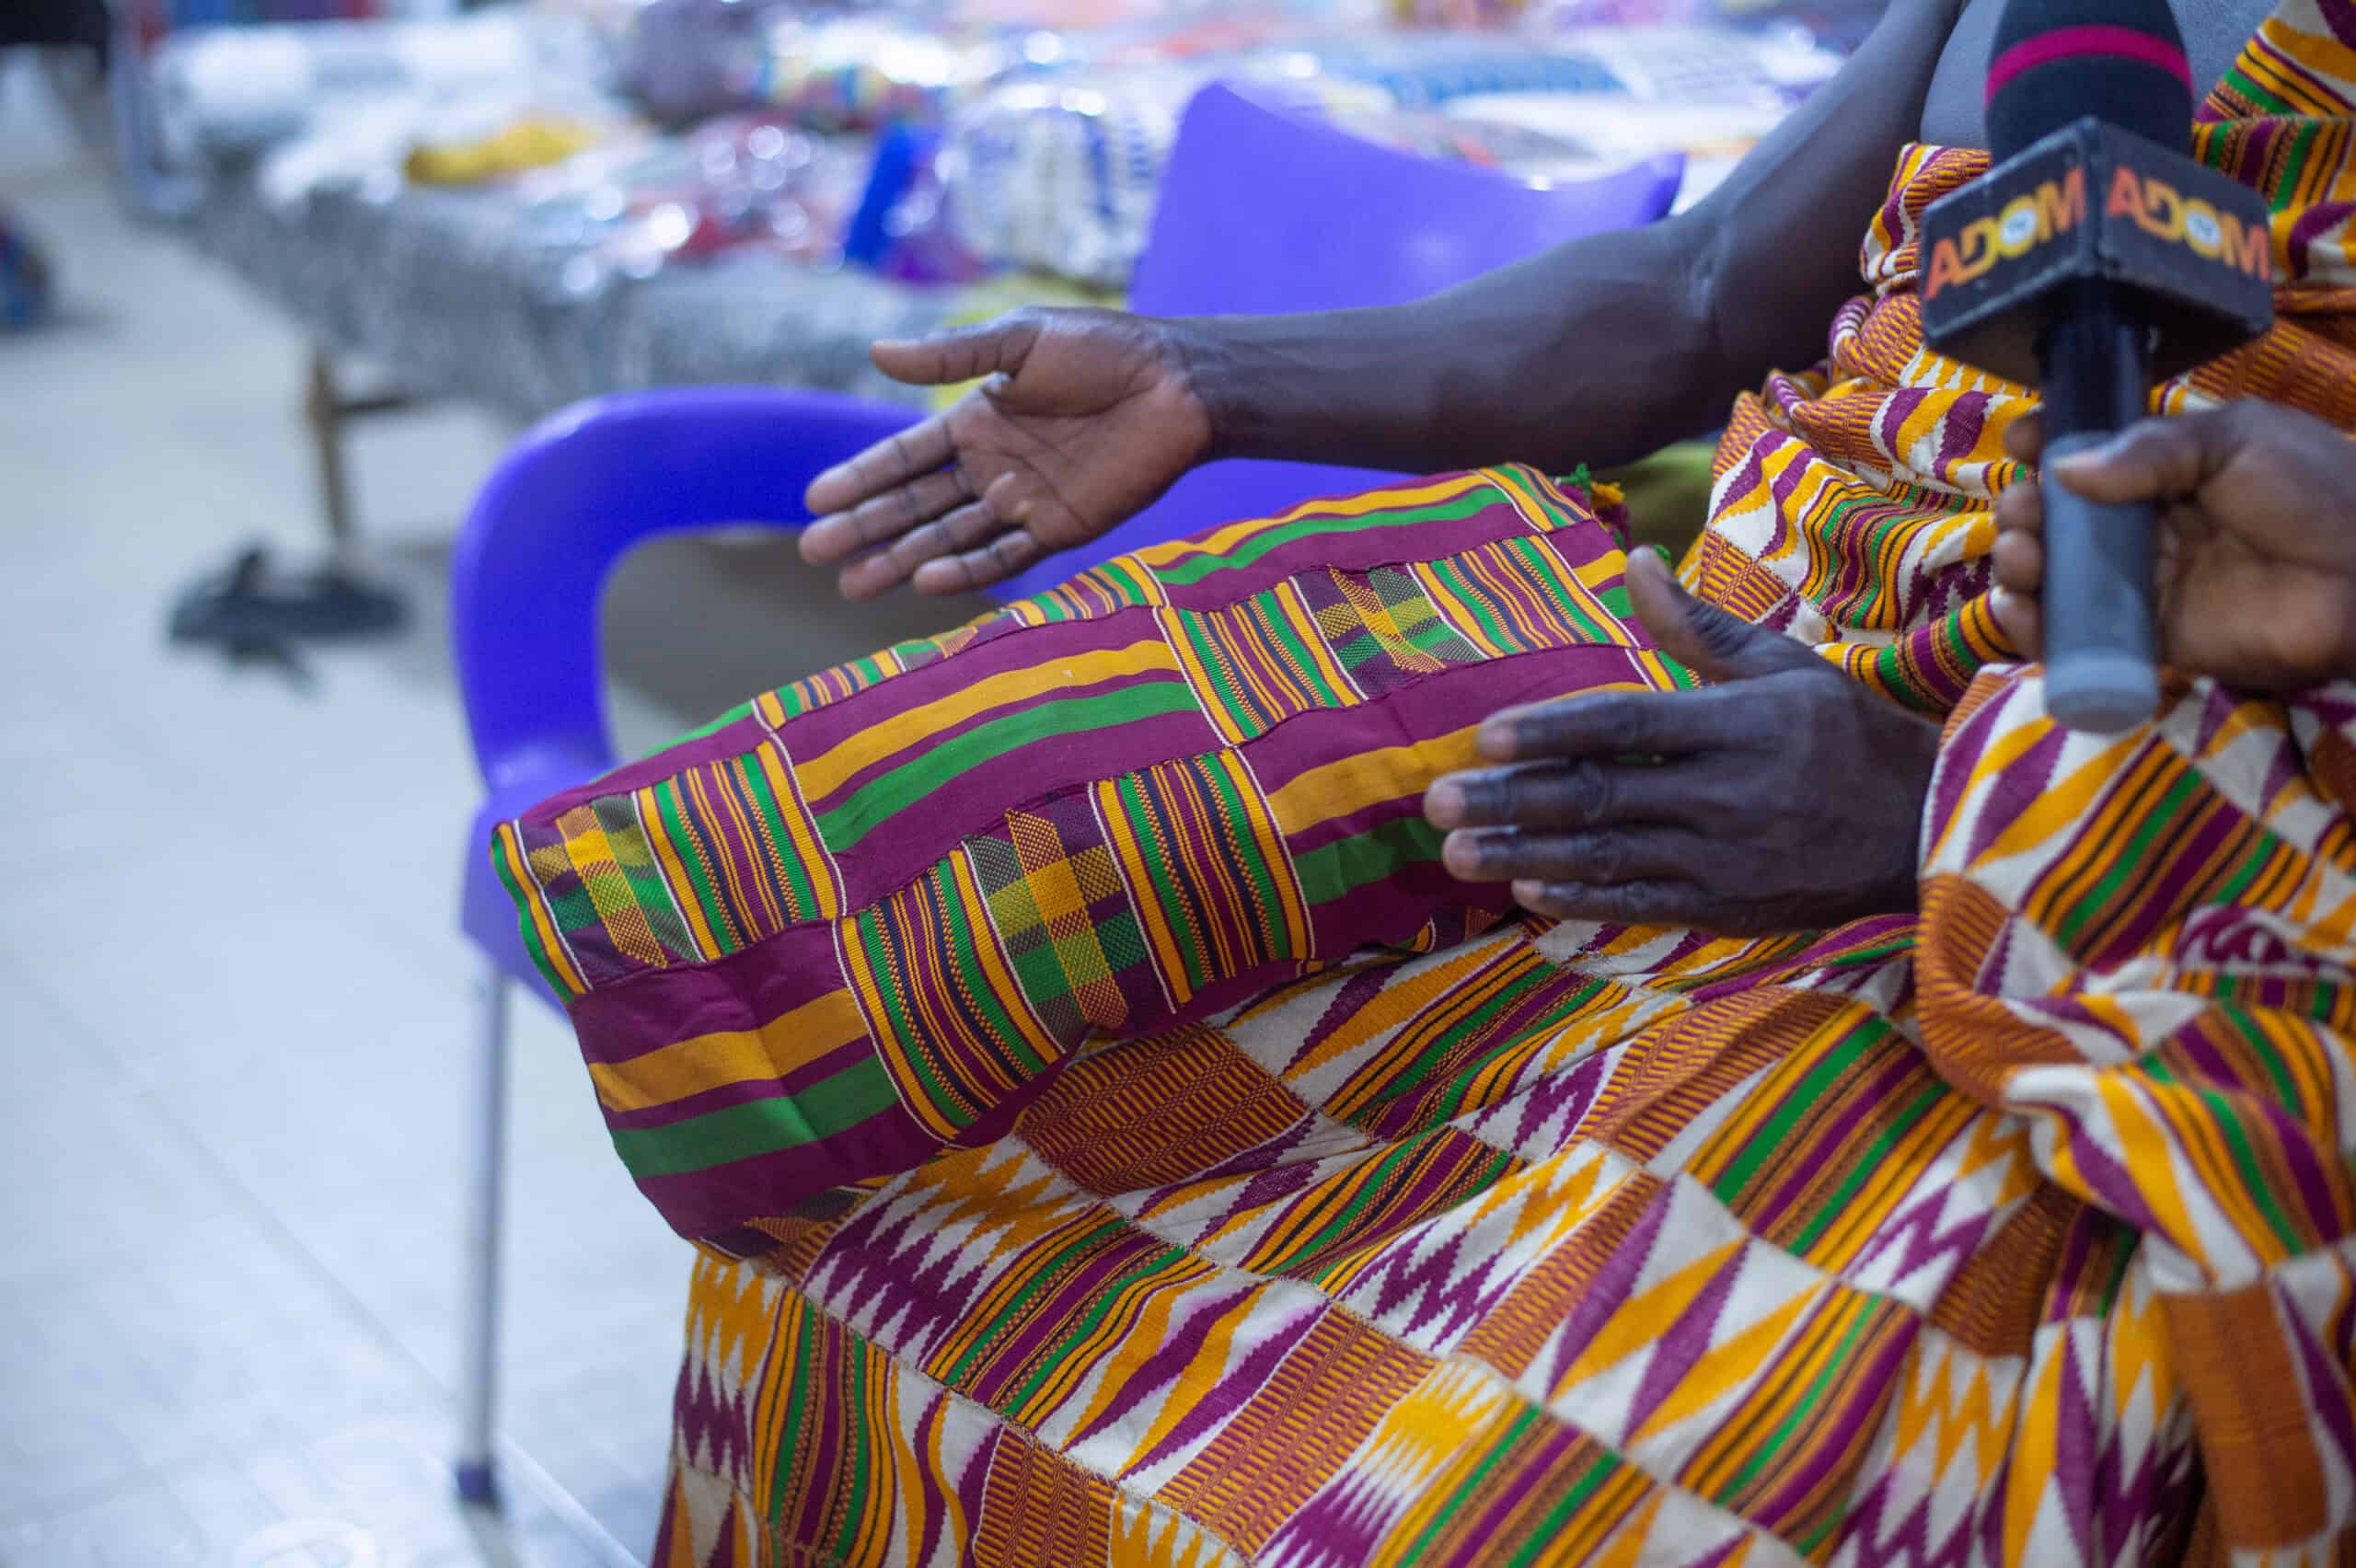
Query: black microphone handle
(2101, 635)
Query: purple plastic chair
(1261, 211)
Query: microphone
(2094, 257)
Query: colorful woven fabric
(827, 935)
(1080, 1185)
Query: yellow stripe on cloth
(1298, 937)
(1303, 621)
(1223, 540)
(1454, 610)
(731, 1056)
(808, 851)
(1369, 778)
(559, 957)
(674, 869)
(823, 775)
(1533, 511)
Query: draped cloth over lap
(1113, 1140)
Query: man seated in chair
(1324, 1043)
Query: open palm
(1084, 417)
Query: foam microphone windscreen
(2056, 60)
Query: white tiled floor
(233, 1001)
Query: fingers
(969, 526)
(880, 571)
(2152, 458)
(1599, 857)
(1657, 902)
(897, 512)
(2019, 554)
(2018, 557)
(2021, 619)
(1715, 644)
(919, 449)
(1005, 555)
(919, 555)
(1614, 724)
(959, 353)
(1576, 794)
(2020, 509)
(2024, 438)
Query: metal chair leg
(478, 1388)
(323, 411)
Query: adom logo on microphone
(2057, 206)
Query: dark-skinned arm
(1606, 348)
(1599, 350)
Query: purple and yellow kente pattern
(826, 937)
(1113, 1141)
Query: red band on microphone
(2123, 43)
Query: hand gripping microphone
(2093, 258)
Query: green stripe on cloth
(1194, 568)
(1798, 1103)
(1478, 604)
(758, 1126)
(1328, 872)
(1806, 1407)
(1603, 1468)
(1298, 659)
(875, 944)
(1126, 581)
(1546, 570)
(688, 846)
(1050, 1271)
(803, 898)
(1885, 1142)
(1206, 652)
(1441, 1044)
(741, 710)
(540, 960)
(966, 959)
(878, 800)
(799, 1384)
(2242, 83)
(1236, 818)
(1164, 892)
(1051, 1364)
(2151, 820)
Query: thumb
(1713, 644)
(958, 353)
(2150, 459)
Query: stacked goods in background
(535, 203)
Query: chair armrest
(569, 499)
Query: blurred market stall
(553, 199)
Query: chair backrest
(1264, 211)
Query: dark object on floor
(253, 611)
(26, 289)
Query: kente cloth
(1111, 1140)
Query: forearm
(1595, 351)
(1605, 347)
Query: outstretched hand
(2257, 539)
(1783, 797)
(1083, 419)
